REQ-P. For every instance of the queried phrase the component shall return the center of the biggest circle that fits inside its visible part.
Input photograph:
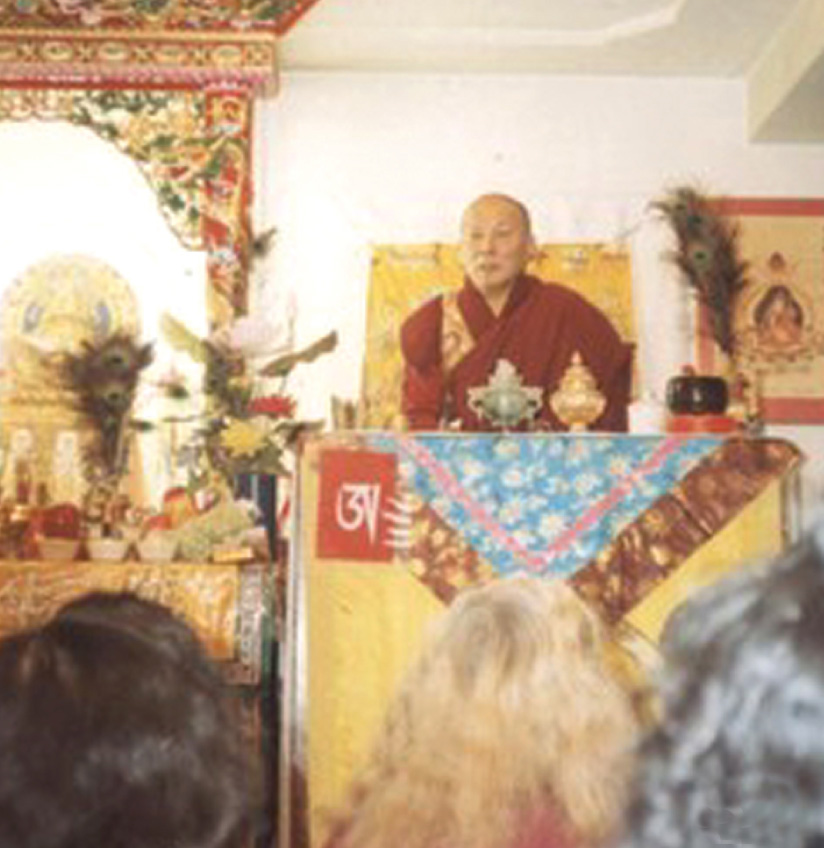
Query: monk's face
(496, 243)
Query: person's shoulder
(421, 333)
(546, 828)
(563, 297)
(550, 290)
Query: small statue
(577, 401)
(505, 401)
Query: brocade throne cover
(390, 526)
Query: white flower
(506, 448)
(618, 466)
(585, 483)
(472, 468)
(253, 335)
(513, 478)
(552, 525)
(524, 538)
(511, 511)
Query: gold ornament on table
(505, 401)
(577, 401)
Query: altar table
(390, 526)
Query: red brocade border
(274, 16)
(643, 555)
(132, 43)
(135, 59)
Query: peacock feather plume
(707, 255)
(104, 377)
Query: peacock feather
(104, 377)
(706, 253)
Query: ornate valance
(169, 82)
(136, 43)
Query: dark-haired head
(739, 756)
(114, 731)
(146, 620)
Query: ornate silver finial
(505, 401)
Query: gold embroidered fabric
(206, 596)
(404, 276)
(456, 340)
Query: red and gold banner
(134, 43)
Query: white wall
(349, 161)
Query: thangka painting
(405, 276)
(390, 526)
(778, 320)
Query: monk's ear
(531, 249)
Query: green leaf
(282, 365)
(141, 426)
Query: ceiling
(776, 47)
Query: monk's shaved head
(496, 245)
(493, 199)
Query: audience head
(496, 242)
(116, 730)
(739, 757)
(510, 710)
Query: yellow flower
(242, 438)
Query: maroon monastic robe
(539, 329)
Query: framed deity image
(778, 318)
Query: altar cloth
(390, 526)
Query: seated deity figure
(454, 343)
(779, 318)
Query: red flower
(278, 406)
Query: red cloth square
(357, 490)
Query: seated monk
(453, 342)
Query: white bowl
(57, 549)
(107, 550)
(157, 547)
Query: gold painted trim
(131, 35)
(456, 339)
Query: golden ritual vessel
(577, 401)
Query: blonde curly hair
(511, 710)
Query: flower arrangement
(245, 427)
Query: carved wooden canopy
(144, 42)
(170, 83)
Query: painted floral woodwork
(192, 147)
(276, 15)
